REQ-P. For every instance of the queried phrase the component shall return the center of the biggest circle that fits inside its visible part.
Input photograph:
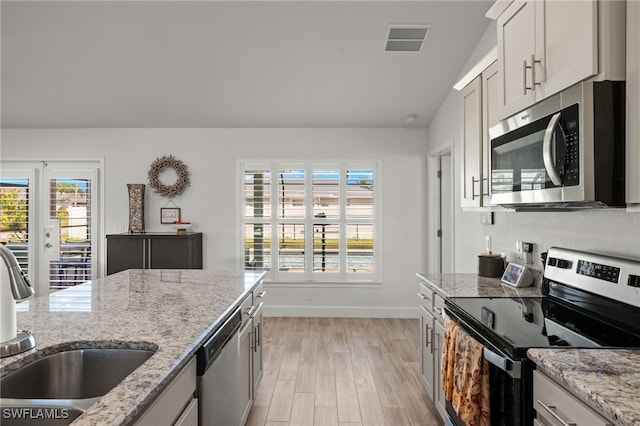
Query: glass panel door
(49, 220)
(16, 213)
(68, 225)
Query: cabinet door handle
(250, 311)
(261, 294)
(524, 77)
(438, 310)
(533, 74)
(473, 187)
(551, 409)
(427, 343)
(252, 338)
(255, 309)
(433, 340)
(256, 337)
(423, 296)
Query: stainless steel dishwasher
(218, 381)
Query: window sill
(324, 284)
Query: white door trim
(434, 157)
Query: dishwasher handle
(207, 354)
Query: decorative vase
(136, 207)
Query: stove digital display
(599, 271)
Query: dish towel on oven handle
(448, 356)
(465, 376)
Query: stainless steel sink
(60, 387)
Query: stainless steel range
(589, 301)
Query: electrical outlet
(308, 295)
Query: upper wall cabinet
(633, 104)
(479, 112)
(545, 46)
(472, 144)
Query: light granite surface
(473, 285)
(173, 311)
(607, 380)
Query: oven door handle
(512, 368)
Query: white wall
(610, 231)
(211, 156)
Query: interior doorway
(440, 209)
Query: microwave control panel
(571, 129)
(572, 160)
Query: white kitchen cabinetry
(472, 144)
(556, 406)
(256, 371)
(633, 105)
(543, 47)
(430, 306)
(479, 113)
(250, 349)
(176, 405)
(490, 116)
(438, 343)
(245, 363)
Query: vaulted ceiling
(78, 64)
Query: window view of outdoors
(69, 205)
(14, 218)
(336, 209)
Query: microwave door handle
(548, 151)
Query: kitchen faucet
(20, 290)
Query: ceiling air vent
(406, 38)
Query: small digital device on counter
(517, 275)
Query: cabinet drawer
(554, 405)
(259, 293)
(425, 297)
(189, 416)
(169, 405)
(246, 308)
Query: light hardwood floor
(342, 372)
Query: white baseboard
(340, 311)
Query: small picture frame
(169, 214)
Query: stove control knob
(563, 264)
(633, 281)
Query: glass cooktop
(517, 324)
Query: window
(311, 221)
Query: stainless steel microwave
(565, 152)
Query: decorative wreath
(168, 162)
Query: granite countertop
(473, 285)
(174, 311)
(607, 380)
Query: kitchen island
(173, 311)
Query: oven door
(510, 382)
(532, 161)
